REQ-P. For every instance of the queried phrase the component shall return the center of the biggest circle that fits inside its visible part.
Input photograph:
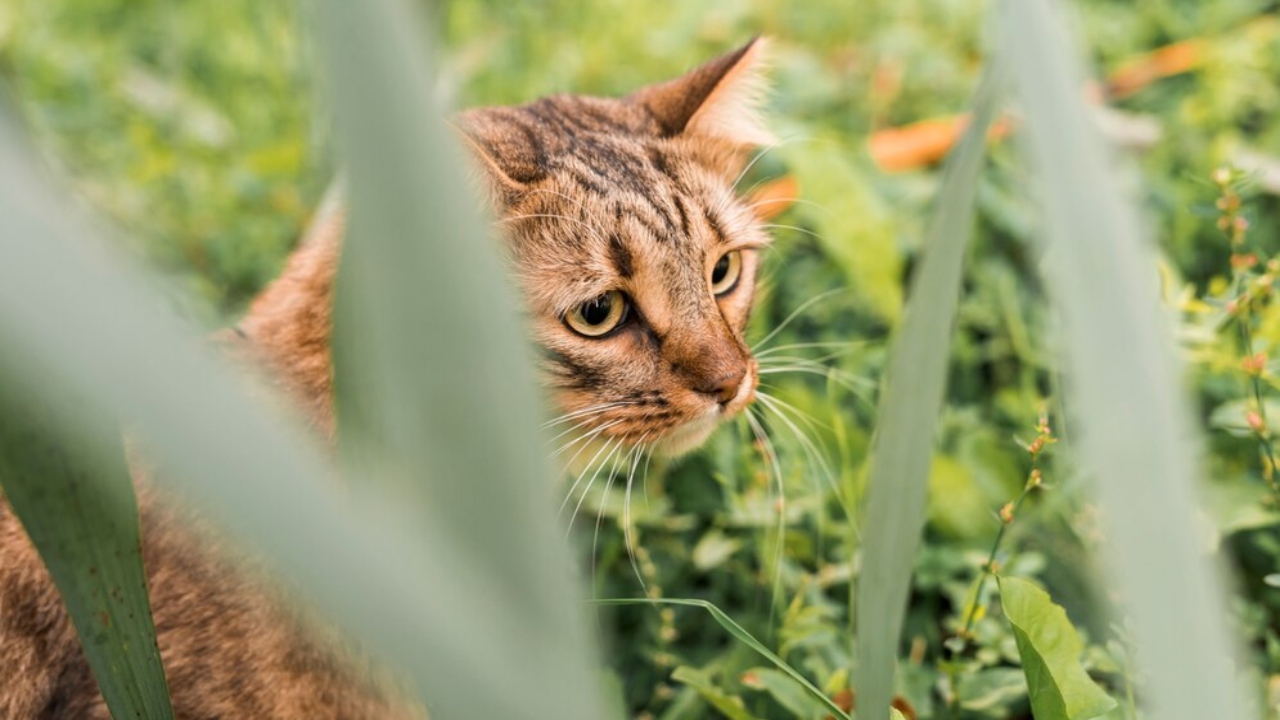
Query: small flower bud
(1243, 261)
(1240, 224)
(1254, 365)
(1036, 446)
(1222, 176)
(1224, 223)
(1006, 514)
(1255, 422)
(1034, 478)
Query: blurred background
(195, 128)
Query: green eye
(597, 317)
(724, 276)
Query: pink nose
(725, 387)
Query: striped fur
(633, 194)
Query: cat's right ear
(720, 100)
(507, 161)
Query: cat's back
(229, 646)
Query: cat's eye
(724, 276)
(597, 317)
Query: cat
(637, 261)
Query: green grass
(200, 133)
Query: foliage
(193, 130)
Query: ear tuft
(720, 99)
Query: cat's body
(637, 264)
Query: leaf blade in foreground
(895, 504)
(76, 503)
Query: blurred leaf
(713, 549)
(1133, 432)
(728, 705)
(994, 692)
(1059, 687)
(895, 503)
(435, 384)
(75, 500)
(790, 694)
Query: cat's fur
(633, 194)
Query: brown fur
(595, 195)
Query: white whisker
(628, 530)
(771, 457)
(794, 314)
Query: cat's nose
(725, 387)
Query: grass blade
(432, 354)
(895, 504)
(1134, 433)
(741, 634)
(76, 503)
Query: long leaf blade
(895, 504)
(1134, 431)
(78, 508)
(429, 336)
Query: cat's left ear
(720, 100)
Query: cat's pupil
(597, 311)
(720, 270)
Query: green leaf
(743, 636)
(1132, 426)
(76, 502)
(993, 692)
(900, 461)
(790, 694)
(728, 705)
(1059, 687)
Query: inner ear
(719, 100)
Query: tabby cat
(637, 261)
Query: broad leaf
(1059, 687)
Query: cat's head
(636, 255)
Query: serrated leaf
(1050, 648)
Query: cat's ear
(720, 99)
(505, 158)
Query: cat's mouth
(691, 434)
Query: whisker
(628, 530)
(796, 228)
(861, 393)
(771, 456)
(587, 438)
(591, 410)
(569, 495)
(794, 314)
(582, 498)
(595, 538)
(846, 345)
(807, 444)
